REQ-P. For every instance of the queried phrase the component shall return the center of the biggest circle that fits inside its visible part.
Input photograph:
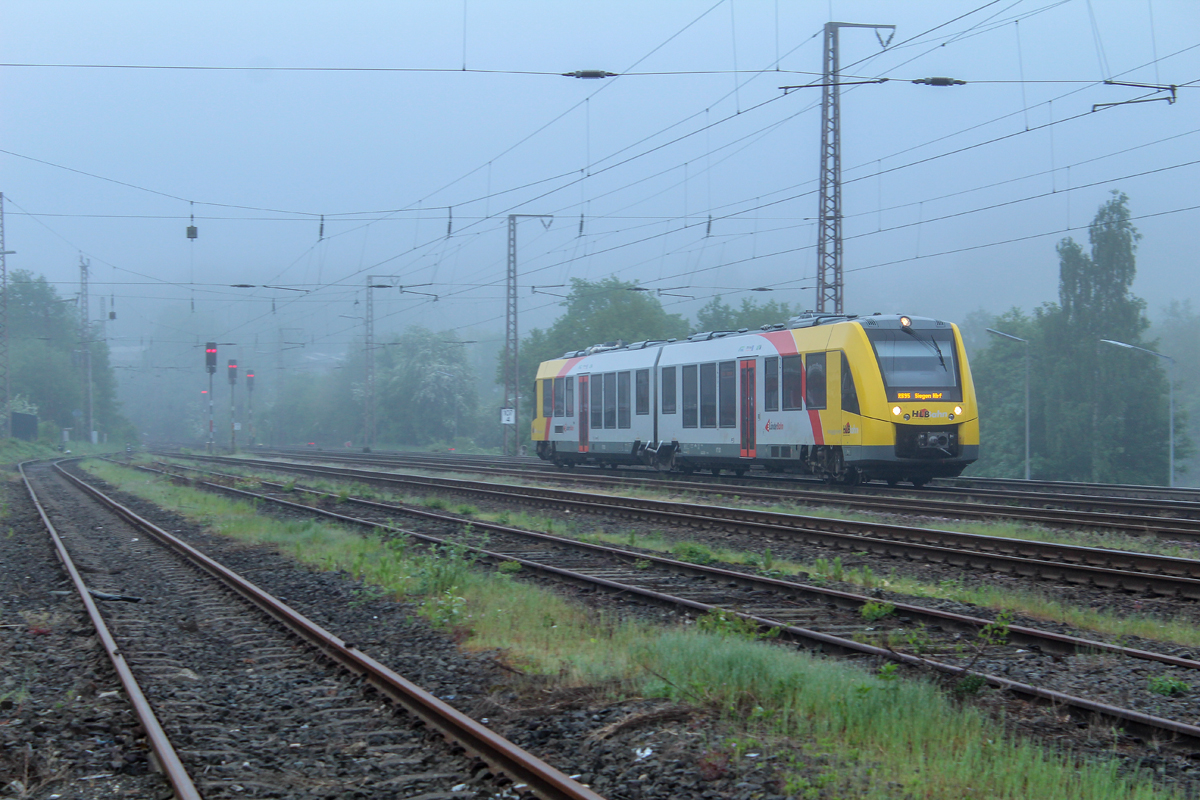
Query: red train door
(584, 418)
(749, 420)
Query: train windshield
(919, 365)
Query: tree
(425, 388)
(1096, 410)
(720, 316)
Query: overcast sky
(954, 198)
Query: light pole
(1170, 404)
(1026, 343)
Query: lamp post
(1170, 404)
(1026, 343)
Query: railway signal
(210, 357)
(232, 372)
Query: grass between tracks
(837, 730)
(1113, 626)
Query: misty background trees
(1098, 412)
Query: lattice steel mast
(829, 226)
(512, 369)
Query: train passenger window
(642, 391)
(597, 401)
(622, 399)
(690, 406)
(771, 383)
(814, 381)
(727, 386)
(610, 400)
(668, 390)
(547, 398)
(849, 394)
(570, 397)
(560, 402)
(708, 395)
(793, 383)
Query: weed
(289, 485)
(631, 539)
(969, 685)
(873, 611)
(509, 567)
(918, 640)
(434, 503)
(503, 518)
(342, 496)
(888, 673)
(365, 595)
(466, 510)
(641, 563)
(725, 623)
(833, 570)
(768, 560)
(445, 610)
(694, 553)
(1168, 686)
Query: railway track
(1177, 520)
(993, 651)
(242, 696)
(1111, 569)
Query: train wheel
(891, 482)
(716, 471)
(919, 482)
(740, 472)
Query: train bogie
(845, 398)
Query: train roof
(808, 319)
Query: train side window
(771, 383)
(814, 381)
(849, 394)
(793, 383)
(597, 401)
(708, 395)
(570, 397)
(547, 398)
(668, 390)
(610, 400)
(727, 394)
(560, 402)
(690, 407)
(623, 400)
(641, 380)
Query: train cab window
(708, 395)
(641, 380)
(597, 401)
(560, 394)
(771, 383)
(547, 398)
(849, 394)
(814, 380)
(623, 400)
(727, 394)
(610, 400)
(668, 390)
(690, 406)
(793, 383)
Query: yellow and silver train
(849, 399)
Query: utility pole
(233, 366)
(829, 227)
(369, 322)
(512, 369)
(85, 338)
(7, 429)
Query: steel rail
(160, 744)
(1167, 575)
(499, 753)
(1144, 723)
(1049, 641)
(1121, 514)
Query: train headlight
(957, 411)
(905, 322)
(896, 410)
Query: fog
(416, 128)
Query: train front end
(921, 420)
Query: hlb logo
(773, 426)
(925, 413)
